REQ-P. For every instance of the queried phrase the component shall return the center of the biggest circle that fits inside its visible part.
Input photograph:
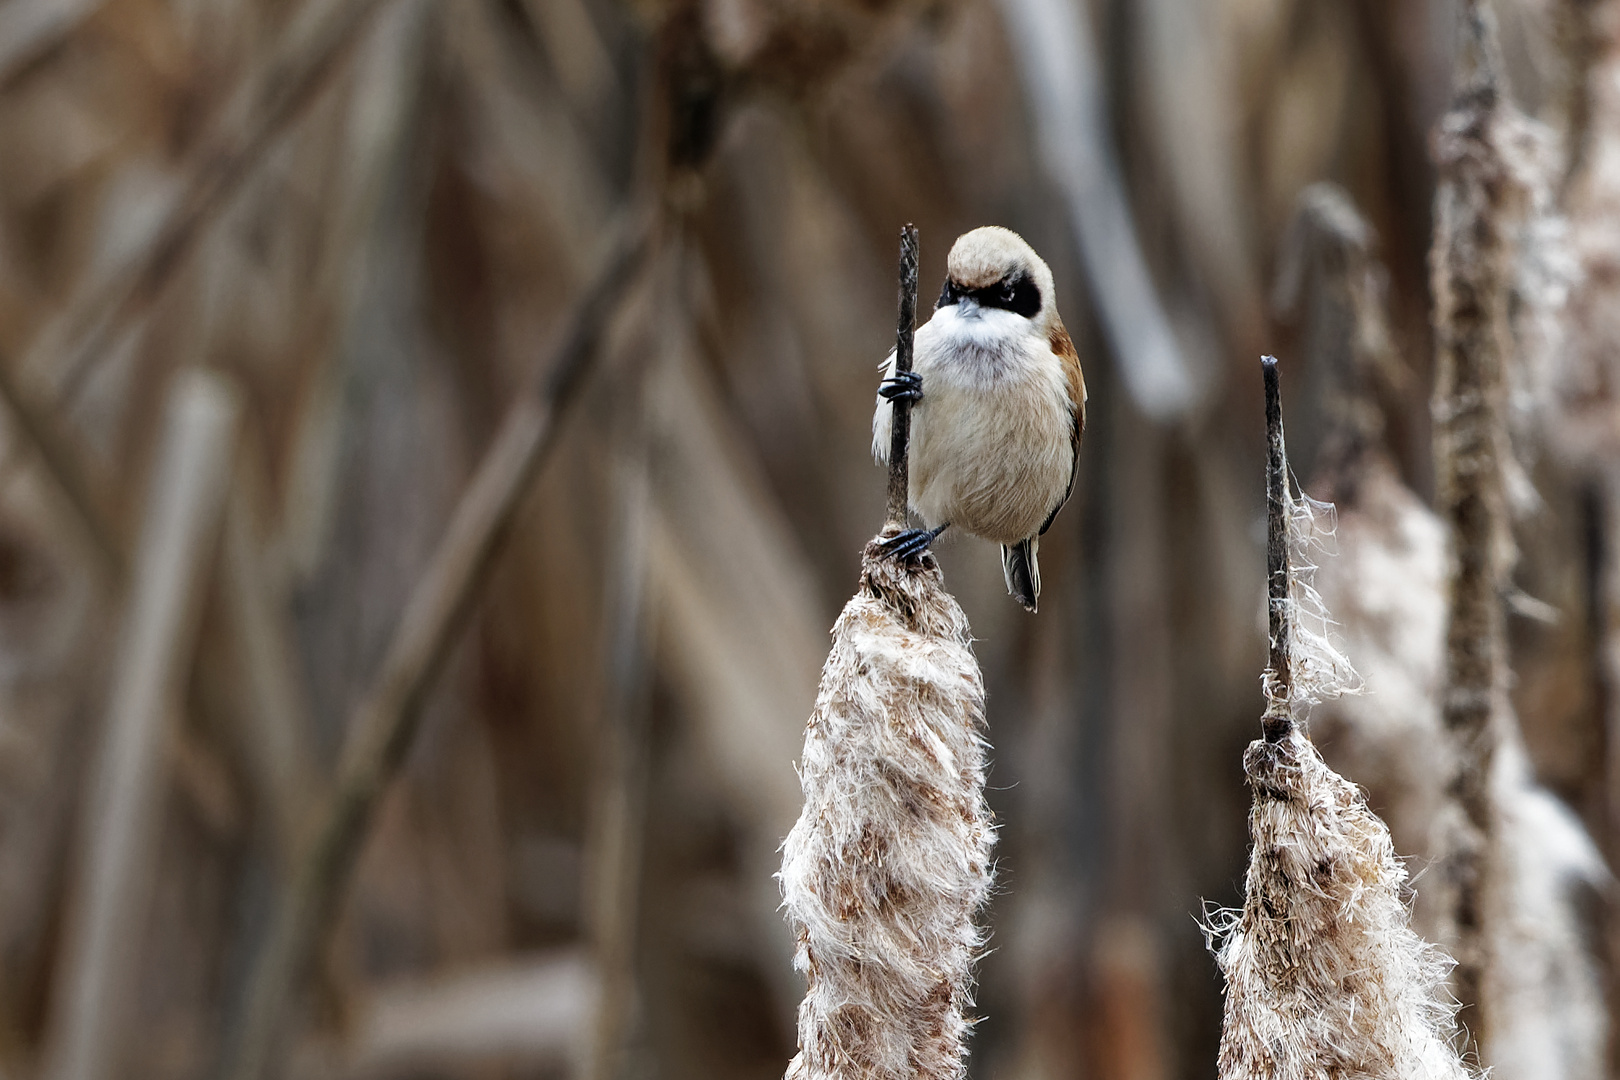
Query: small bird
(996, 437)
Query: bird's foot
(909, 544)
(902, 386)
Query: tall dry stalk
(1324, 976)
(890, 861)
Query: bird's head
(993, 275)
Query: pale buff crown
(988, 254)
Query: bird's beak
(968, 308)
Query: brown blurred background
(274, 274)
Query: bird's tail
(1023, 573)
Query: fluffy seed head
(1325, 980)
(890, 861)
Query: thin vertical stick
(120, 828)
(901, 433)
(1278, 680)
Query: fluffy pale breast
(991, 441)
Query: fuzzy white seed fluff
(889, 863)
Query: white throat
(984, 343)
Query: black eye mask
(1018, 294)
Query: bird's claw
(902, 386)
(908, 544)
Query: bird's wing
(1063, 349)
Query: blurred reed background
(407, 625)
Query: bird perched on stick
(999, 405)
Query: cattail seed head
(1325, 980)
(890, 861)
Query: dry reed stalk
(723, 562)
(370, 206)
(270, 97)
(119, 833)
(889, 863)
(30, 29)
(1324, 976)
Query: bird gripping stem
(901, 428)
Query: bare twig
(1278, 681)
(120, 826)
(900, 435)
(384, 725)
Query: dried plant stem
(1580, 39)
(371, 212)
(521, 1013)
(31, 28)
(120, 826)
(384, 725)
(261, 108)
(1278, 680)
(1472, 282)
(899, 498)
